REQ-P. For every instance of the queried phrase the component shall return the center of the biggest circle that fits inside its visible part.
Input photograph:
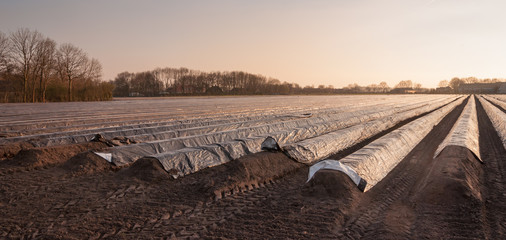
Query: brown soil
(332, 184)
(85, 163)
(145, 169)
(248, 172)
(70, 193)
(11, 149)
(455, 178)
(34, 158)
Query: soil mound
(11, 149)
(331, 184)
(86, 162)
(246, 173)
(47, 156)
(145, 169)
(454, 179)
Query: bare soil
(67, 192)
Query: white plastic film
(497, 117)
(497, 100)
(334, 165)
(320, 147)
(106, 156)
(374, 161)
(284, 132)
(465, 131)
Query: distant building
(485, 88)
(444, 90)
(502, 88)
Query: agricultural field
(257, 167)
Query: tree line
(455, 82)
(382, 87)
(34, 68)
(184, 81)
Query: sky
(329, 42)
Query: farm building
(483, 88)
(444, 90)
(502, 88)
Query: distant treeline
(455, 82)
(183, 81)
(473, 85)
(34, 68)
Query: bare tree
(384, 87)
(372, 88)
(72, 64)
(94, 70)
(45, 64)
(24, 45)
(455, 83)
(404, 84)
(470, 80)
(443, 84)
(163, 75)
(4, 49)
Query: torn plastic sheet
(465, 131)
(374, 161)
(284, 132)
(336, 165)
(320, 147)
(497, 117)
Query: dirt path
(262, 196)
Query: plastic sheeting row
(315, 149)
(465, 131)
(145, 131)
(134, 118)
(158, 129)
(171, 130)
(497, 117)
(496, 100)
(247, 140)
(31, 119)
(374, 161)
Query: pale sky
(306, 42)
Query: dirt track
(67, 194)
